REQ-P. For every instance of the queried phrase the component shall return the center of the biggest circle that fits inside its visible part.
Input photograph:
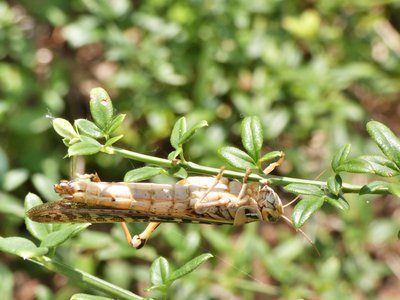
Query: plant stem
(85, 279)
(204, 170)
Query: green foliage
(314, 74)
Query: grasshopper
(203, 200)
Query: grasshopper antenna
(287, 220)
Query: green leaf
(21, 247)
(14, 178)
(273, 155)
(88, 128)
(370, 164)
(189, 267)
(190, 132)
(141, 174)
(339, 202)
(64, 128)
(386, 140)
(177, 132)
(84, 148)
(38, 230)
(101, 108)
(305, 208)
(252, 136)
(58, 237)
(340, 157)
(304, 189)
(174, 154)
(334, 184)
(113, 140)
(372, 187)
(11, 205)
(178, 171)
(159, 272)
(237, 158)
(116, 123)
(88, 297)
(45, 186)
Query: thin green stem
(85, 279)
(204, 170)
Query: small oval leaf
(14, 178)
(21, 247)
(64, 128)
(373, 187)
(386, 140)
(340, 156)
(58, 237)
(38, 230)
(84, 148)
(334, 184)
(339, 202)
(304, 209)
(177, 132)
(159, 271)
(101, 108)
(113, 140)
(237, 158)
(141, 174)
(370, 164)
(304, 189)
(178, 171)
(191, 131)
(189, 267)
(116, 123)
(252, 136)
(273, 155)
(88, 128)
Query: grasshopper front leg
(138, 241)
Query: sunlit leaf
(340, 157)
(116, 123)
(386, 140)
(370, 164)
(305, 209)
(101, 108)
(64, 128)
(58, 237)
(159, 271)
(38, 230)
(84, 148)
(142, 174)
(237, 158)
(374, 186)
(88, 128)
(273, 155)
(339, 202)
(334, 184)
(252, 136)
(189, 267)
(177, 132)
(21, 247)
(191, 131)
(303, 189)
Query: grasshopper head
(270, 204)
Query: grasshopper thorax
(270, 204)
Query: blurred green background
(314, 72)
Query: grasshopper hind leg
(139, 240)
